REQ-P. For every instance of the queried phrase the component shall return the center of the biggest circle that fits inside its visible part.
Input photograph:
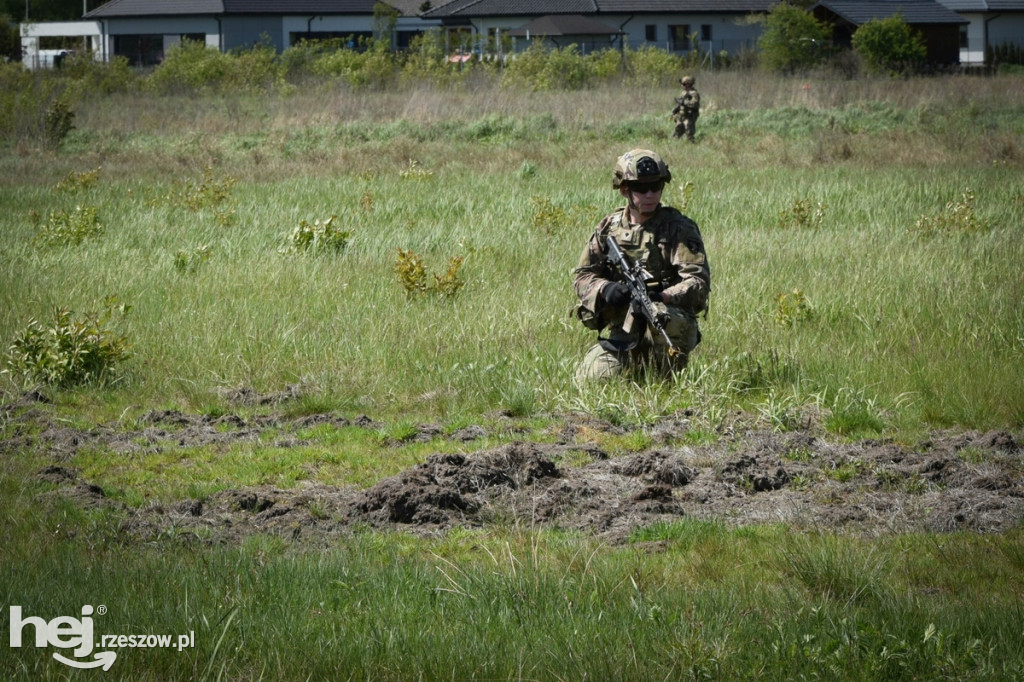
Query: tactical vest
(641, 244)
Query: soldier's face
(645, 197)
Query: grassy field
(865, 244)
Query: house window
(705, 33)
(141, 50)
(651, 33)
(963, 37)
(679, 36)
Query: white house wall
(731, 34)
(728, 33)
(1002, 28)
(974, 53)
(34, 58)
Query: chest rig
(641, 244)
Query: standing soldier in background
(668, 248)
(687, 109)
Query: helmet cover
(640, 165)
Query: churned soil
(950, 481)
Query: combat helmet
(687, 81)
(640, 165)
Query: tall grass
(688, 600)
(925, 327)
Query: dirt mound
(950, 481)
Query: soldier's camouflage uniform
(686, 112)
(670, 247)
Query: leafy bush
(652, 66)
(540, 69)
(792, 39)
(60, 120)
(69, 350)
(427, 61)
(318, 237)
(802, 214)
(210, 191)
(253, 70)
(412, 275)
(25, 97)
(296, 61)
(75, 181)
(189, 66)
(192, 66)
(605, 64)
(86, 76)
(547, 217)
(889, 46)
(372, 67)
(64, 228)
(958, 216)
(792, 307)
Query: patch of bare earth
(970, 481)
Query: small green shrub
(188, 262)
(546, 216)
(70, 350)
(75, 181)
(24, 98)
(189, 66)
(86, 76)
(317, 237)
(449, 283)
(652, 66)
(802, 214)
(370, 68)
(958, 216)
(208, 192)
(65, 228)
(60, 120)
(414, 171)
(427, 61)
(543, 69)
(412, 275)
(604, 64)
(253, 70)
(792, 307)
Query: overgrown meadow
(406, 253)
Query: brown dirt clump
(952, 481)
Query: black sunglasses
(645, 187)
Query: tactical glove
(615, 293)
(694, 299)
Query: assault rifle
(636, 278)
